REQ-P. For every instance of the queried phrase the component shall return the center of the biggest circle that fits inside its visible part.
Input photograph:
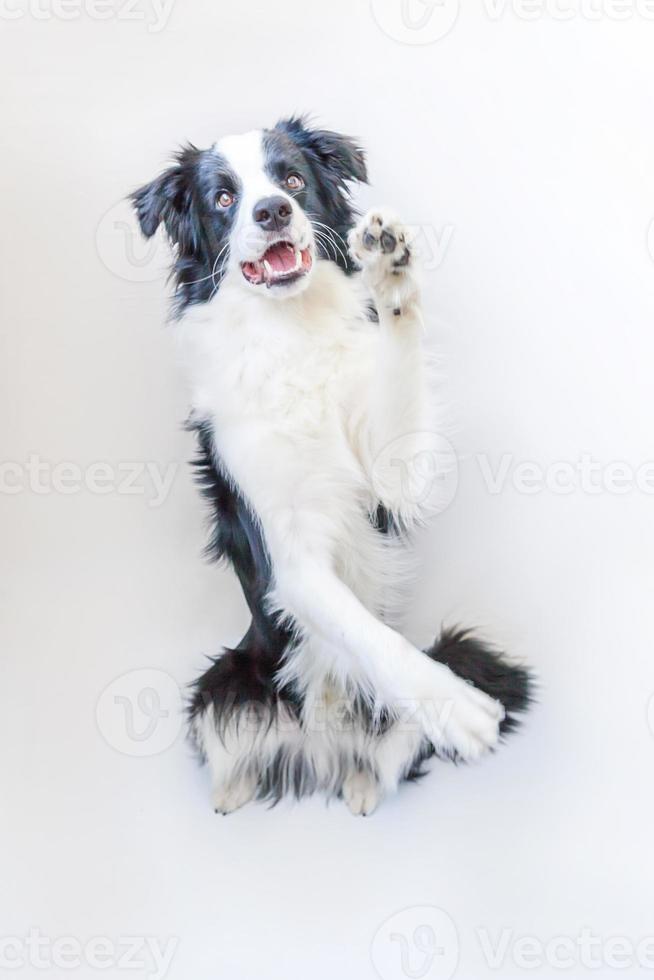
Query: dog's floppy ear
(160, 200)
(169, 200)
(338, 154)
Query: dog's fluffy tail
(489, 670)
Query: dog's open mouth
(281, 263)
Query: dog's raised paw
(380, 245)
(380, 237)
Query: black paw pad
(369, 240)
(388, 241)
(403, 259)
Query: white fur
(303, 395)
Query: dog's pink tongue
(281, 257)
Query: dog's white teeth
(298, 258)
(267, 266)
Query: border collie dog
(301, 331)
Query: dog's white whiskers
(224, 249)
(324, 241)
(220, 271)
(194, 282)
(327, 237)
(328, 234)
(329, 228)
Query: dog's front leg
(400, 433)
(455, 716)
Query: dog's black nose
(273, 213)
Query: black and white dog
(300, 328)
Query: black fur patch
(183, 199)
(487, 669)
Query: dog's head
(261, 208)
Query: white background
(525, 144)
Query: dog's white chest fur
(283, 365)
(279, 383)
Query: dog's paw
(460, 720)
(226, 798)
(362, 793)
(380, 245)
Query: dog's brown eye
(294, 182)
(225, 199)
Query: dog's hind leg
(362, 792)
(233, 793)
(392, 756)
(243, 726)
